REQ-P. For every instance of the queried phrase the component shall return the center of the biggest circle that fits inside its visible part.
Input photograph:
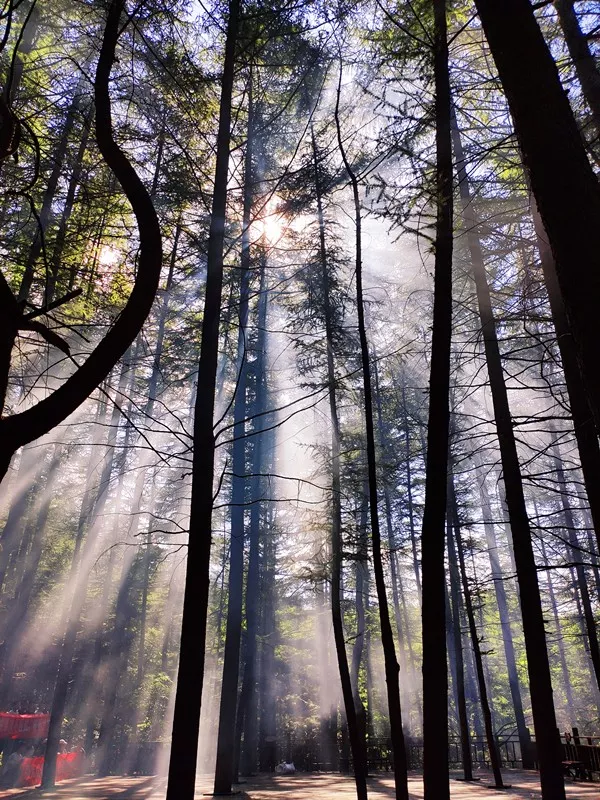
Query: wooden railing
(308, 756)
(583, 749)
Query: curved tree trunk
(18, 429)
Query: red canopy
(24, 726)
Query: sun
(270, 225)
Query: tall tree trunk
(267, 733)
(592, 544)
(457, 647)
(141, 481)
(504, 614)
(408, 636)
(565, 186)
(392, 668)
(357, 743)
(95, 677)
(397, 593)
(471, 689)
(361, 589)
(409, 492)
(562, 656)
(452, 666)
(435, 672)
(583, 419)
(582, 57)
(141, 652)
(404, 638)
(190, 677)
(468, 598)
(26, 38)
(248, 696)
(575, 556)
(227, 746)
(540, 681)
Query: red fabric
(68, 765)
(24, 726)
(31, 771)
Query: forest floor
(301, 786)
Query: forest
(299, 401)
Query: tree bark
(392, 668)
(361, 589)
(267, 757)
(583, 419)
(409, 492)
(29, 35)
(120, 649)
(540, 681)
(190, 677)
(564, 185)
(459, 671)
(248, 697)
(227, 746)
(562, 656)
(435, 672)
(483, 694)
(582, 57)
(575, 556)
(503, 612)
(357, 744)
(404, 636)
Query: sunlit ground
(301, 787)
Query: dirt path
(302, 786)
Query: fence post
(527, 758)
